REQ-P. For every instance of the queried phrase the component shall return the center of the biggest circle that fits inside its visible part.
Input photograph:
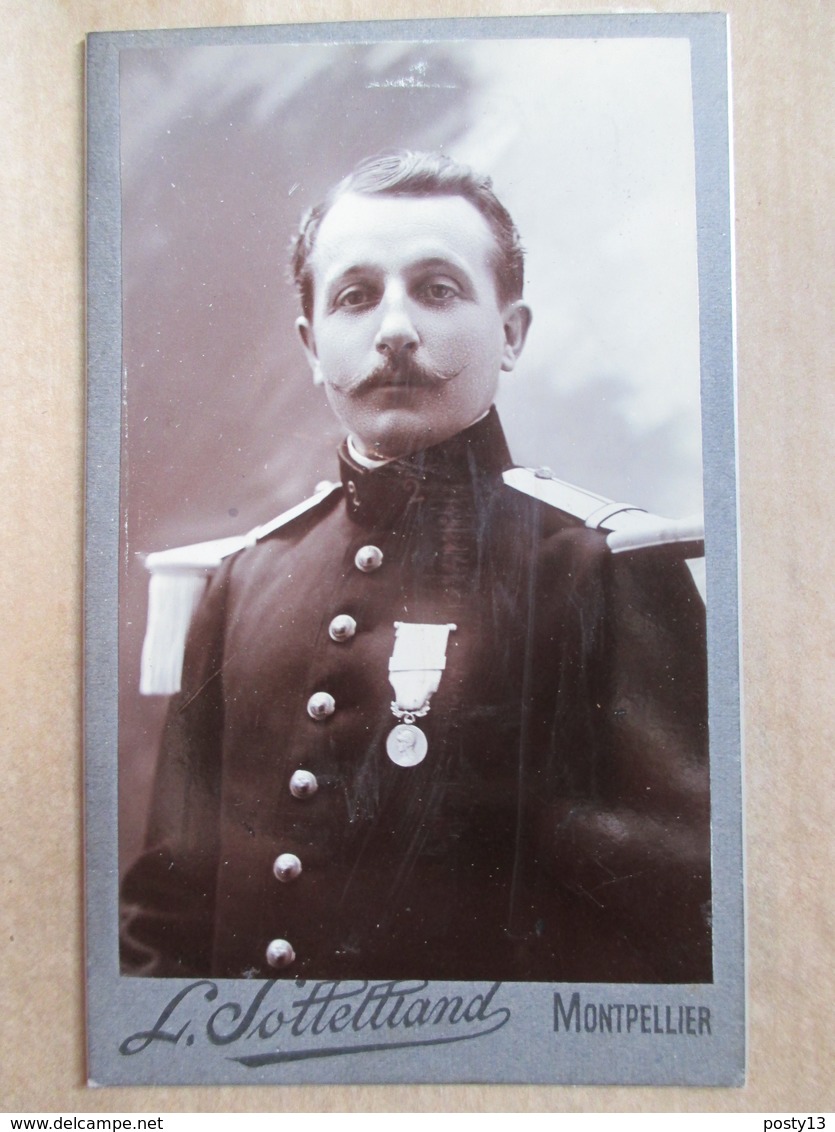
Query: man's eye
(354, 297)
(439, 292)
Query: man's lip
(406, 378)
(398, 383)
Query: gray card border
(525, 1048)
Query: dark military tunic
(558, 827)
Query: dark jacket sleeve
(168, 895)
(630, 837)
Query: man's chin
(396, 434)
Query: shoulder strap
(178, 579)
(629, 528)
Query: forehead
(392, 233)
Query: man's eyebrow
(336, 278)
(421, 264)
(442, 261)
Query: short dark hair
(404, 173)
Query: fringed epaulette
(178, 579)
(629, 528)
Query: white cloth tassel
(635, 530)
(173, 597)
(178, 579)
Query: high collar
(463, 462)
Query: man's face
(407, 332)
(405, 741)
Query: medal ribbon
(415, 666)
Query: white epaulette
(178, 579)
(630, 528)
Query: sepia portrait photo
(420, 341)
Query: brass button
(287, 867)
(342, 628)
(368, 559)
(303, 784)
(280, 953)
(321, 705)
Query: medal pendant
(406, 745)
(415, 667)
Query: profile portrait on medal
(446, 716)
(406, 745)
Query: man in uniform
(447, 719)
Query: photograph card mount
(545, 878)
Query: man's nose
(397, 330)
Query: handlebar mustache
(404, 370)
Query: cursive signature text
(359, 1017)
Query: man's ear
(517, 321)
(309, 346)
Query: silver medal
(415, 667)
(406, 745)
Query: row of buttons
(286, 867)
(341, 629)
(303, 784)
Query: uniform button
(280, 953)
(321, 705)
(287, 867)
(342, 628)
(303, 784)
(368, 559)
